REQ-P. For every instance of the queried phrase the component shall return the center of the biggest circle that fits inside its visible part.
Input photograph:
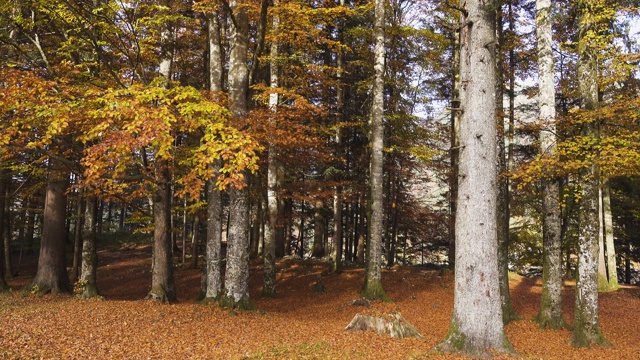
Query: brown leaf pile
(299, 323)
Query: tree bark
(504, 194)
(612, 267)
(269, 288)
(89, 266)
(77, 239)
(162, 281)
(163, 286)
(476, 324)
(236, 289)
(586, 322)
(550, 315)
(211, 283)
(51, 275)
(372, 288)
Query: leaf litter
(298, 324)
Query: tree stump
(393, 324)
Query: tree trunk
(269, 288)
(372, 288)
(89, 264)
(163, 287)
(5, 224)
(77, 239)
(603, 283)
(52, 275)
(318, 230)
(586, 322)
(337, 235)
(211, 283)
(550, 315)
(195, 240)
(612, 267)
(503, 201)
(236, 287)
(359, 235)
(476, 324)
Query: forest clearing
(298, 323)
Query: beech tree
(550, 314)
(586, 322)
(236, 287)
(476, 324)
(372, 288)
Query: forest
(263, 171)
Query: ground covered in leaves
(300, 323)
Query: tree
(550, 315)
(504, 162)
(212, 267)
(51, 275)
(269, 288)
(89, 265)
(236, 287)
(163, 287)
(476, 324)
(372, 288)
(586, 322)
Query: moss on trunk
(228, 302)
(372, 290)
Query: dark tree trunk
(162, 282)
(89, 264)
(77, 239)
(195, 240)
(318, 230)
(52, 275)
(5, 224)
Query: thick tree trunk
(52, 275)
(476, 324)
(372, 288)
(163, 286)
(586, 322)
(211, 283)
(550, 315)
(236, 287)
(89, 264)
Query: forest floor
(299, 324)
